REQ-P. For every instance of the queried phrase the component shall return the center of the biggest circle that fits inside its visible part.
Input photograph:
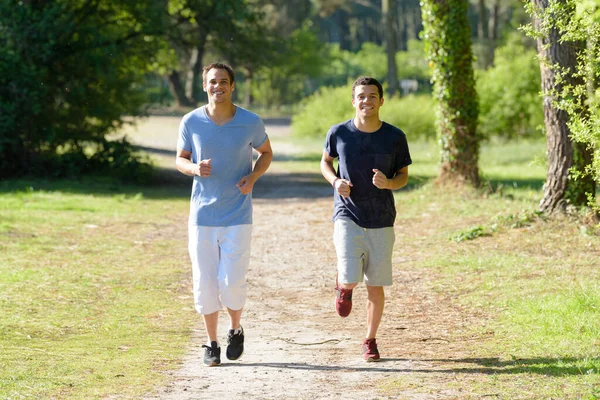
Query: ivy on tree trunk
(448, 44)
(566, 180)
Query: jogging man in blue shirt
(215, 146)
(373, 159)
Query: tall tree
(69, 73)
(493, 29)
(389, 16)
(567, 181)
(350, 22)
(447, 35)
(482, 24)
(199, 24)
(368, 15)
(267, 44)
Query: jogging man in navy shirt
(373, 160)
(215, 146)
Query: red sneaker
(343, 301)
(370, 352)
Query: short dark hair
(367, 80)
(218, 65)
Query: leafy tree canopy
(69, 71)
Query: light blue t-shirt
(216, 200)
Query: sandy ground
(296, 345)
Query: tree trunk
(493, 25)
(343, 29)
(388, 13)
(559, 190)
(193, 87)
(177, 90)
(413, 23)
(482, 26)
(249, 98)
(448, 44)
(493, 29)
(402, 23)
(486, 50)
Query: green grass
(91, 293)
(94, 301)
(531, 279)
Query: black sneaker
(235, 344)
(212, 354)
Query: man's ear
(233, 86)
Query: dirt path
(296, 345)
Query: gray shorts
(363, 253)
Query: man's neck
(221, 113)
(368, 125)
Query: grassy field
(91, 292)
(534, 280)
(95, 301)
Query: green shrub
(371, 60)
(412, 63)
(319, 111)
(414, 114)
(510, 103)
(341, 65)
(301, 57)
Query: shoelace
(345, 294)
(371, 346)
(210, 349)
(234, 334)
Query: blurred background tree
(69, 72)
(72, 72)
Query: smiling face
(366, 101)
(217, 84)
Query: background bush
(371, 60)
(414, 114)
(328, 106)
(509, 94)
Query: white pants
(220, 258)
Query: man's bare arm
(265, 156)
(327, 168)
(398, 181)
(342, 186)
(186, 166)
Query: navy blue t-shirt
(358, 153)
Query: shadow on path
(488, 366)
(168, 183)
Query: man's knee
(375, 293)
(234, 293)
(206, 304)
